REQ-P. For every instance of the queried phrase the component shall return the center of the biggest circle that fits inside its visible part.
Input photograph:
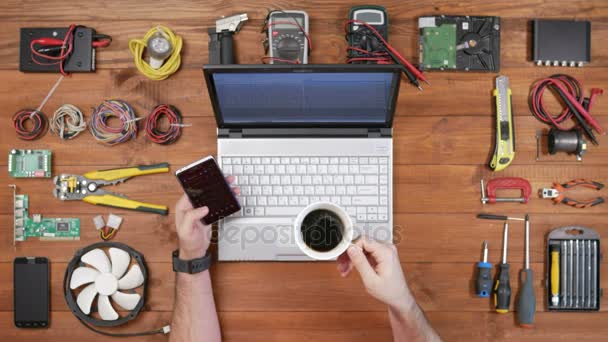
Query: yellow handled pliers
(88, 187)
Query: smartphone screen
(205, 185)
(31, 292)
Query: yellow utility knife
(504, 150)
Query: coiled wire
(153, 130)
(39, 122)
(111, 135)
(67, 122)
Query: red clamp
(506, 183)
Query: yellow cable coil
(170, 65)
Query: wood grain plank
(281, 286)
(335, 326)
(327, 36)
(452, 94)
(454, 237)
(428, 141)
(451, 189)
(459, 140)
(210, 10)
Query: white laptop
(293, 135)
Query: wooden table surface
(443, 140)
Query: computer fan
(120, 279)
(461, 43)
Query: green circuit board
(438, 47)
(29, 163)
(43, 228)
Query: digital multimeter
(288, 37)
(364, 44)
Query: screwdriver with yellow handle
(555, 275)
(526, 302)
(502, 289)
(504, 148)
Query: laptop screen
(319, 98)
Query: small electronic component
(561, 42)
(38, 226)
(461, 43)
(29, 163)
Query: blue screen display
(305, 98)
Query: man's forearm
(409, 323)
(194, 316)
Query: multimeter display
(372, 17)
(288, 24)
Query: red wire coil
(39, 120)
(153, 131)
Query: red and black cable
(39, 124)
(152, 124)
(412, 73)
(571, 94)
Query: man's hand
(380, 270)
(194, 236)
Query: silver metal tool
(594, 271)
(504, 243)
(221, 45)
(583, 274)
(564, 272)
(588, 273)
(570, 280)
(577, 276)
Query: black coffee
(322, 230)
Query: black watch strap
(191, 266)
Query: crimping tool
(556, 193)
(87, 187)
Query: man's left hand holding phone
(208, 198)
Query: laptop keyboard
(283, 186)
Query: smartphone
(205, 185)
(31, 292)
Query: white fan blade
(98, 259)
(83, 275)
(132, 279)
(85, 298)
(106, 311)
(120, 261)
(127, 301)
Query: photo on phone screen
(31, 292)
(205, 185)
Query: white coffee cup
(347, 231)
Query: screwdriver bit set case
(579, 253)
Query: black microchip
(561, 42)
(63, 227)
(40, 162)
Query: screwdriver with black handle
(502, 289)
(526, 304)
(483, 284)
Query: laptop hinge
(229, 133)
(374, 133)
(238, 133)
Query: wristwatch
(191, 266)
